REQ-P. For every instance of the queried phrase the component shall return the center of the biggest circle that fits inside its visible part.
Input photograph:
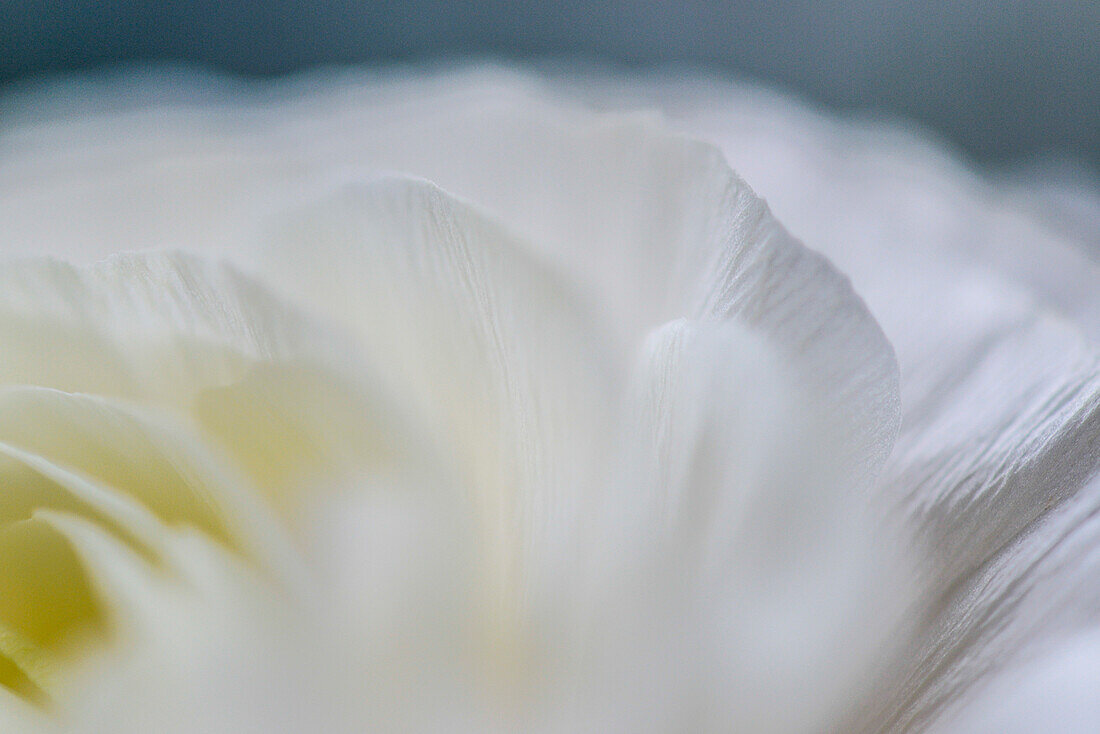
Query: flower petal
(1015, 612)
(1056, 692)
(1001, 396)
(152, 326)
(198, 339)
(754, 576)
(455, 311)
(200, 345)
(652, 226)
(115, 467)
(490, 345)
(214, 646)
(880, 199)
(994, 313)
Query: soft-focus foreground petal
(166, 343)
(154, 327)
(194, 338)
(733, 600)
(223, 651)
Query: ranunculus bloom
(443, 402)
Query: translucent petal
(198, 345)
(116, 467)
(651, 226)
(490, 345)
(152, 326)
(498, 339)
(754, 576)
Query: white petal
(1009, 430)
(1010, 615)
(94, 183)
(994, 313)
(195, 337)
(653, 226)
(297, 427)
(204, 346)
(880, 199)
(116, 467)
(1055, 693)
(455, 312)
(469, 328)
(150, 326)
(755, 577)
(222, 650)
(1001, 397)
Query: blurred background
(1008, 81)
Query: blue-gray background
(1006, 80)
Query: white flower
(437, 402)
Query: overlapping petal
(617, 322)
(653, 227)
(993, 310)
(111, 376)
